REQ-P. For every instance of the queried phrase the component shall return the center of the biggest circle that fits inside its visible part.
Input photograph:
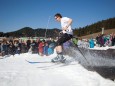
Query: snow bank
(17, 71)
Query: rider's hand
(61, 32)
(64, 28)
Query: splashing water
(101, 61)
(89, 57)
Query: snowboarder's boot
(59, 58)
(62, 59)
(55, 59)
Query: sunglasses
(56, 18)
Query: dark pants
(64, 37)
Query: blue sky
(16, 14)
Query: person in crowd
(86, 43)
(91, 43)
(33, 46)
(110, 38)
(97, 40)
(41, 47)
(17, 47)
(113, 40)
(45, 51)
(51, 47)
(23, 47)
(106, 40)
(50, 50)
(67, 44)
(0, 47)
(79, 43)
(37, 45)
(28, 44)
(11, 48)
(75, 40)
(4, 47)
(101, 40)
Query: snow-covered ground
(17, 71)
(102, 48)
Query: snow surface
(102, 48)
(17, 71)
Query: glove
(61, 32)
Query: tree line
(96, 27)
(42, 32)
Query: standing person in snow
(66, 34)
(41, 47)
(45, 50)
(91, 43)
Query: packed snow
(33, 70)
(102, 48)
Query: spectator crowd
(12, 47)
(46, 47)
(100, 41)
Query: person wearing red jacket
(41, 48)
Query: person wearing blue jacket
(45, 51)
(91, 43)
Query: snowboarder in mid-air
(66, 34)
